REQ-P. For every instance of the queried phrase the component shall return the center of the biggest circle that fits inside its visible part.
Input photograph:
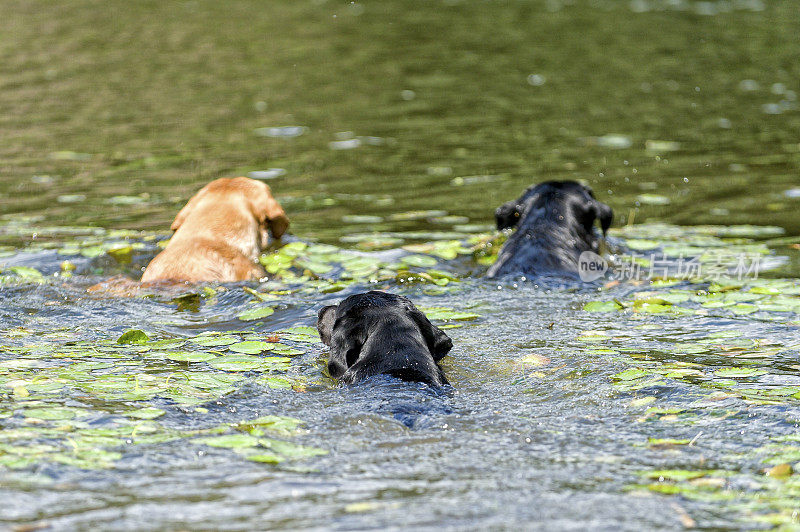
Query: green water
(637, 406)
(164, 97)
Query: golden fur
(220, 233)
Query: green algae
(141, 383)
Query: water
(380, 125)
(158, 100)
(544, 425)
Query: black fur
(380, 333)
(555, 224)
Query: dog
(220, 233)
(554, 224)
(377, 333)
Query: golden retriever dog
(220, 233)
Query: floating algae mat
(670, 398)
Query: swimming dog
(220, 233)
(554, 224)
(376, 333)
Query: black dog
(378, 333)
(554, 222)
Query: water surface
(381, 125)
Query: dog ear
(269, 214)
(346, 343)
(325, 320)
(189, 207)
(278, 221)
(507, 215)
(344, 355)
(604, 214)
(438, 342)
(348, 347)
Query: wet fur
(554, 224)
(377, 333)
(220, 233)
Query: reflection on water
(681, 111)
(379, 125)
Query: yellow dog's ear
(269, 214)
(278, 221)
(190, 205)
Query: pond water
(390, 131)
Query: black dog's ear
(605, 214)
(346, 345)
(438, 342)
(507, 215)
(442, 344)
(325, 319)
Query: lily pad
(229, 441)
(602, 306)
(214, 341)
(187, 356)
(146, 413)
(133, 336)
(249, 347)
(237, 363)
(739, 373)
(256, 314)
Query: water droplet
(614, 141)
(440, 170)
(748, 85)
(536, 80)
(43, 179)
(282, 131)
(71, 198)
(778, 88)
(708, 9)
(355, 8)
(373, 141)
(270, 173)
(661, 146)
(344, 144)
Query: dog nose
(335, 369)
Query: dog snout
(336, 369)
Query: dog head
(257, 197)
(379, 333)
(570, 202)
